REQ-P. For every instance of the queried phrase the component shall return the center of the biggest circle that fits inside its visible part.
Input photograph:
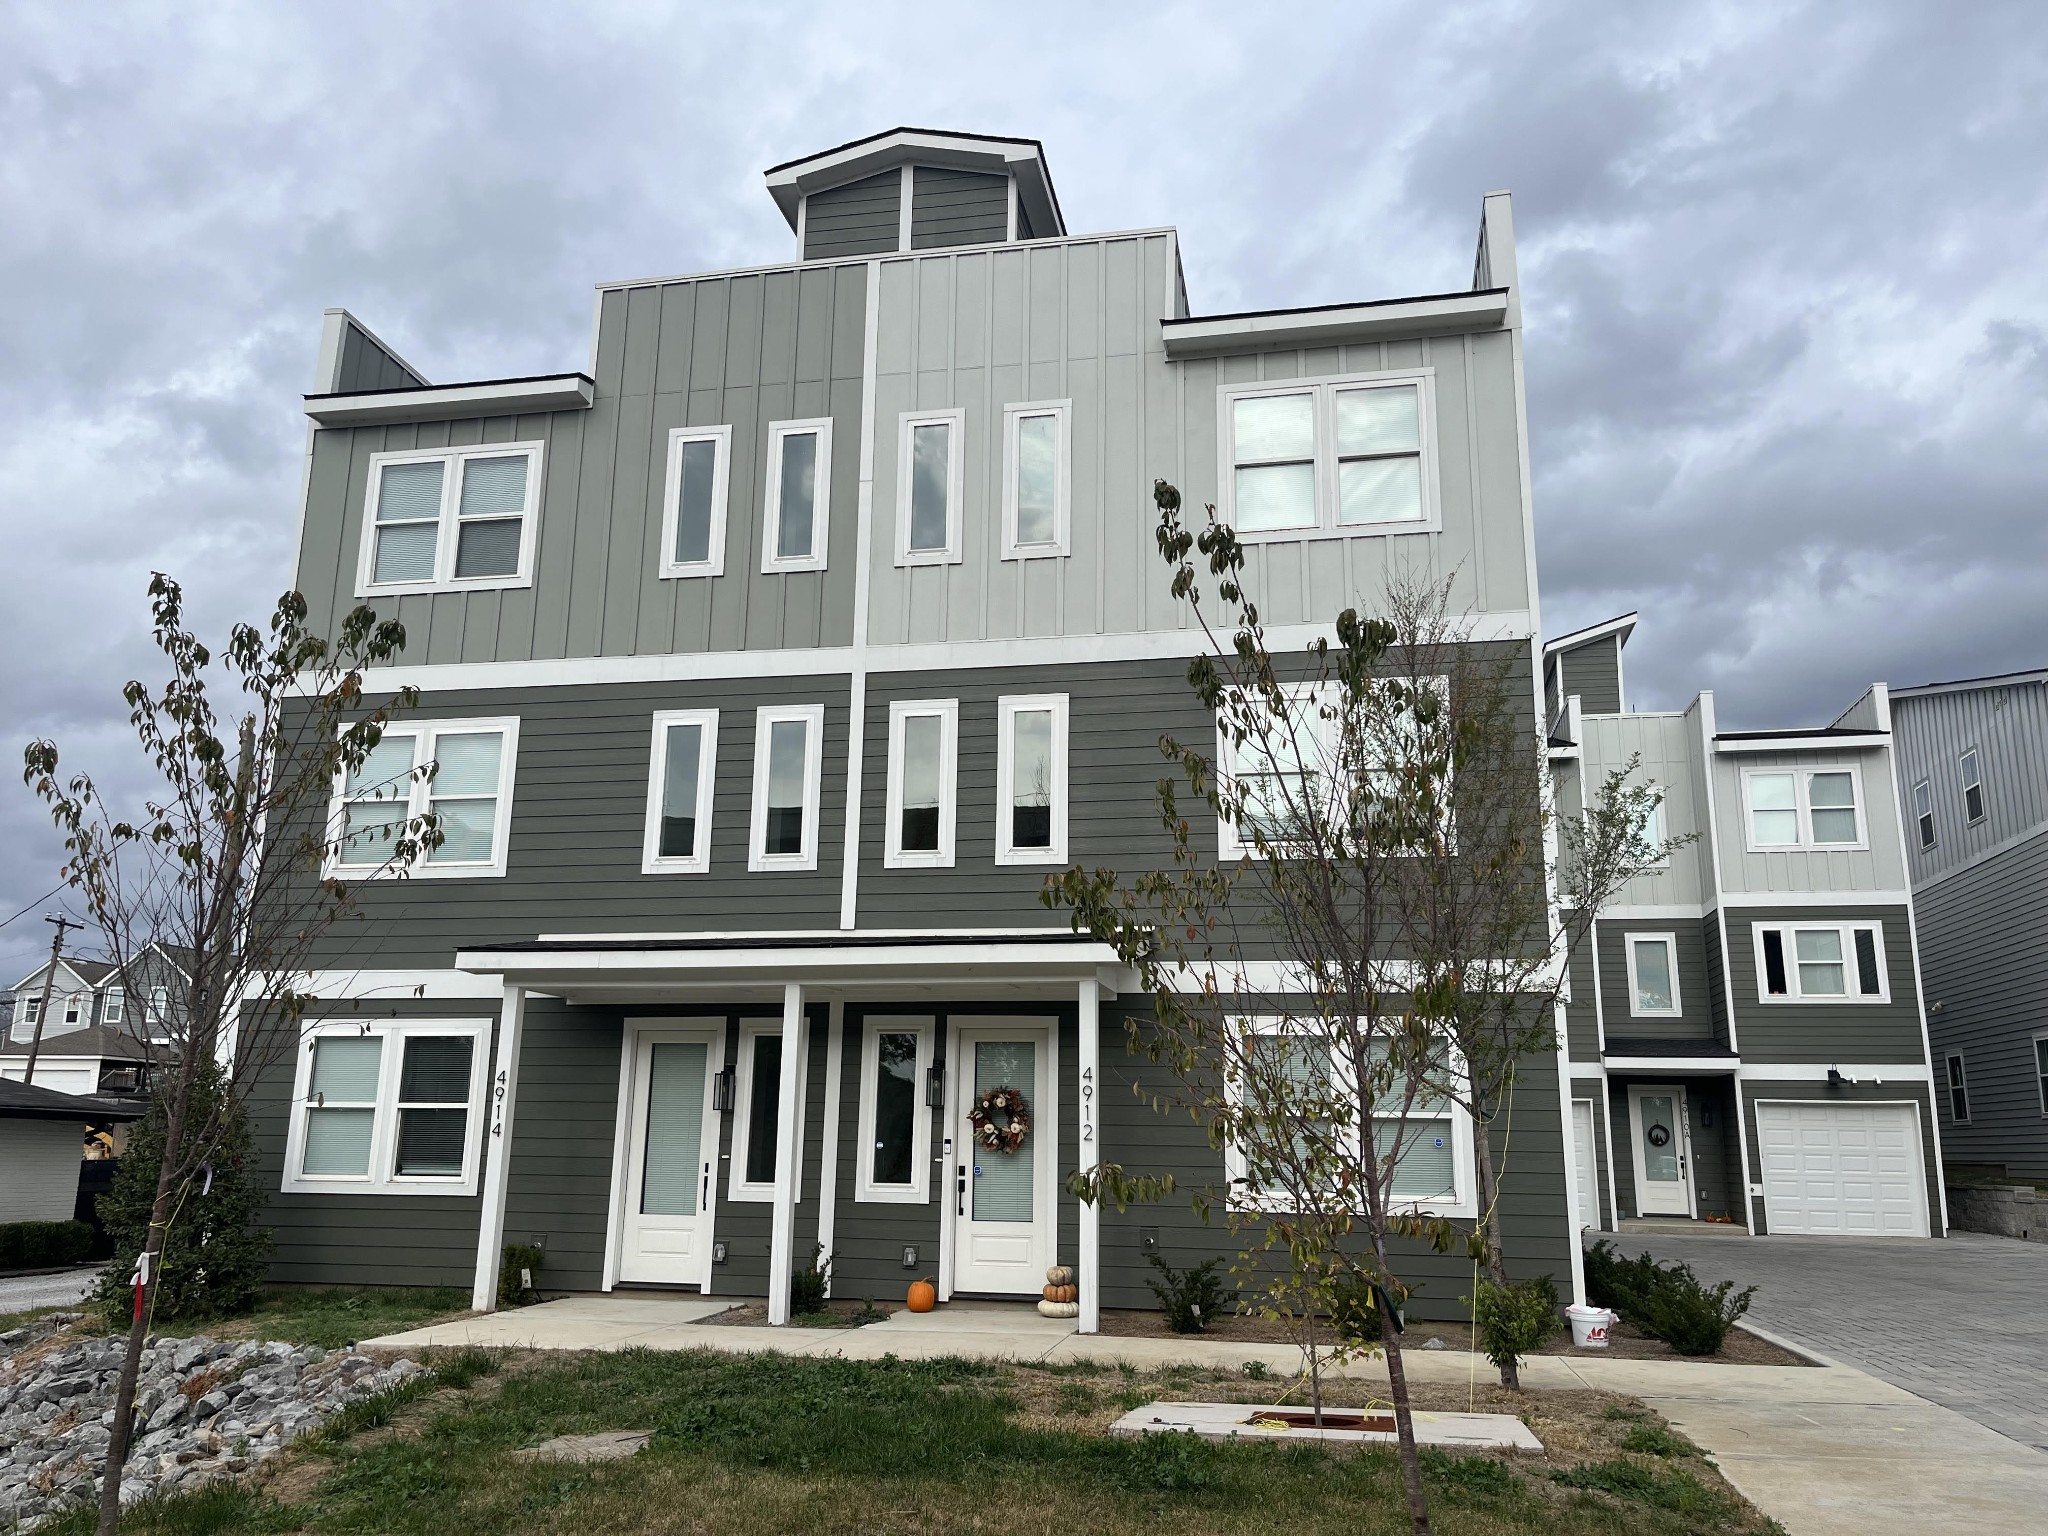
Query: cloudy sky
(1782, 265)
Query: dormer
(915, 189)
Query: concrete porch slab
(574, 1322)
(1240, 1421)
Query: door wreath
(1009, 1136)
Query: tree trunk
(1404, 1429)
(1496, 1257)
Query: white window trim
(1953, 1067)
(821, 511)
(651, 860)
(115, 1009)
(1923, 811)
(1324, 390)
(737, 1187)
(955, 423)
(448, 529)
(672, 569)
(1465, 1197)
(2034, 1066)
(1063, 480)
(894, 855)
(77, 1010)
(1970, 761)
(759, 862)
(420, 798)
(918, 1191)
(380, 1180)
(1851, 980)
(1007, 708)
(159, 1016)
(1803, 810)
(1635, 1008)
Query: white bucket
(1589, 1326)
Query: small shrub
(1515, 1320)
(807, 1284)
(1256, 1370)
(1666, 1301)
(513, 1291)
(44, 1244)
(869, 1313)
(1190, 1298)
(1655, 1440)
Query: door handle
(960, 1208)
(704, 1194)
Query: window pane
(1377, 420)
(1831, 797)
(430, 1141)
(488, 548)
(383, 770)
(1774, 964)
(680, 763)
(409, 493)
(675, 1129)
(1037, 479)
(693, 505)
(787, 741)
(1771, 791)
(369, 831)
(764, 1103)
(895, 1107)
(1289, 1074)
(921, 763)
(1868, 982)
(406, 553)
(338, 1141)
(930, 447)
(799, 495)
(494, 486)
(1276, 496)
(1820, 962)
(1425, 1170)
(468, 829)
(1653, 977)
(1772, 817)
(345, 1068)
(1276, 427)
(436, 1069)
(467, 762)
(1031, 779)
(1005, 1182)
(1379, 491)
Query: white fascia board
(1690, 1064)
(1622, 625)
(1204, 336)
(835, 167)
(516, 397)
(1852, 1071)
(1862, 741)
(388, 986)
(848, 962)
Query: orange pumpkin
(1068, 1293)
(923, 1296)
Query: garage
(1848, 1170)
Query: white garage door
(1850, 1170)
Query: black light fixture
(721, 1090)
(1835, 1078)
(935, 1086)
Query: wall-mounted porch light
(935, 1086)
(721, 1090)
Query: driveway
(1961, 1321)
(20, 1292)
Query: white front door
(1845, 1169)
(665, 1228)
(1003, 1202)
(1582, 1150)
(1662, 1151)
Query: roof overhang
(1802, 741)
(441, 402)
(1330, 324)
(1972, 684)
(1023, 159)
(1621, 626)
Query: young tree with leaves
(226, 861)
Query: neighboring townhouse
(1973, 778)
(107, 1029)
(1748, 1043)
(770, 664)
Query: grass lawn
(770, 1443)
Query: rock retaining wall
(2004, 1210)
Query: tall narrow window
(1973, 788)
(787, 754)
(1869, 981)
(1273, 475)
(1958, 1091)
(1775, 981)
(928, 490)
(1379, 455)
(74, 1007)
(1923, 812)
(895, 1126)
(159, 1012)
(117, 1006)
(694, 501)
(680, 776)
(757, 1128)
(799, 495)
(1031, 780)
(1653, 974)
(450, 519)
(1650, 834)
(921, 799)
(2041, 1069)
(1037, 480)
(1831, 805)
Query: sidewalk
(1825, 1450)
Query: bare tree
(229, 860)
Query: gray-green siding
(950, 207)
(1825, 1033)
(855, 219)
(1593, 672)
(1695, 1018)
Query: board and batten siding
(2008, 727)
(1879, 867)
(1694, 1021)
(742, 351)
(1664, 744)
(949, 207)
(1820, 1034)
(856, 219)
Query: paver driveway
(1961, 1321)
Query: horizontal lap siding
(957, 208)
(566, 1114)
(1593, 672)
(1755, 1089)
(854, 220)
(868, 1238)
(1695, 1020)
(1823, 1033)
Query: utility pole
(35, 1043)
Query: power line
(34, 904)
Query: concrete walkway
(1827, 1451)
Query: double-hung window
(757, 1119)
(1031, 779)
(799, 509)
(788, 752)
(895, 1125)
(1283, 773)
(116, 1009)
(1037, 480)
(680, 774)
(1958, 1091)
(1822, 963)
(450, 520)
(459, 771)
(74, 1008)
(1973, 788)
(928, 487)
(1653, 975)
(1333, 456)
(159, 1021)
(1804, 808)
(693, 501)
(388, 1107)
(923, 738)
(1923, 812)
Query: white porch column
(1090, 1141)
(490, 1227)
(789, 1155)
(828, 1154)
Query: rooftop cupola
(916, 189)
